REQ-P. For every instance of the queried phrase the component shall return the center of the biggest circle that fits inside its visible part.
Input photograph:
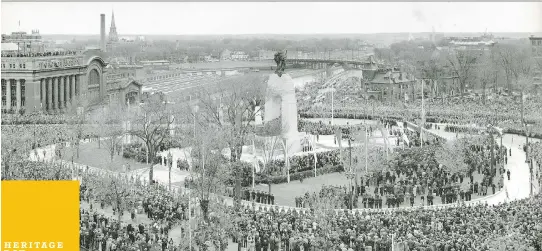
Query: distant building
(483, 42)
(239, 55)
(124, 83)
(27, 43)
(156, 64)
(390, 84)
(225, 55)
(266, 55)
(113, 36)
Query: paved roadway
(518, 187)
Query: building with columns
(55, 82)
(51, 82)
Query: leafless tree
(15, 140)
(463, 65)
(232, 105)
(112, 187)
(486, 73)
(268, 147)
(209, 170)
(109, 127)
(151, 124)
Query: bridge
(321, 63)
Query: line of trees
(472, 68)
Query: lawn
(91, 155)
(285, 193)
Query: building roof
(387, 77)
(9, 47)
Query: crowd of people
(37, 54)
(504, 112)
(455, 228)
(408, 182)
(106, 233)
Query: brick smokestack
(102, 32)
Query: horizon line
(279, 34)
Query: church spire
(113, 20)
(113, 36)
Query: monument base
(292, 142)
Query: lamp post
(527, 134)
(350, 176)
(332, 107)
(490, 132)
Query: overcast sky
(275, 18)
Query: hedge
(278, 179)
(136, 151)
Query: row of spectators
(37, 54)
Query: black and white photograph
(281, 126)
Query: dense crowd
(415, 178)
(99, 232)
(410, 177)
(455, 228)
(505, 112)
(38, 54)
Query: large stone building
(57, 82)
(51, 82)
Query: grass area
(286, 193)
(92, 155)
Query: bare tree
(109, 127)
(268, 147)
(210, 170)
(15, 141)
(486, 73)
(463, 65)
(231, 105)
(151, 124)
(112, 187)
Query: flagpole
(189, 216)
(254, 164)
(332, 108)
(422, 124)
(366, 149)
(393, 242)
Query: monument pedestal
(281, 103)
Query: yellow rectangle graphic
(40, 214)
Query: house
(225, 55)
(389, 84)
(239, 56)
(266, 55)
